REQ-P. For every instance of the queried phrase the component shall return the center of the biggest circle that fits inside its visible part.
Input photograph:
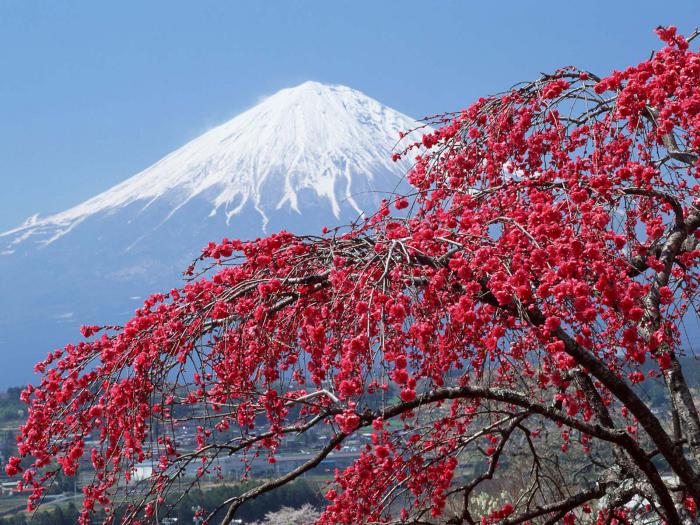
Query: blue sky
(92, 92)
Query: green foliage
(11, 407)
(63, 515)
(293, 495)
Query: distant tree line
(11, 407)
(294, 495)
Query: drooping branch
(544, 262)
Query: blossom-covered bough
(501, 331)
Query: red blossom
(529, 277)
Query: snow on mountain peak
(328, 139)
(303, 158)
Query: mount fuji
(306, 157)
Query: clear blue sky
(92, 92)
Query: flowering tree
(504, 324)
(287, 516)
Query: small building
(142, 471)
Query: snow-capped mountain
(308, 156)
(331, 142)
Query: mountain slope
(310, 156)
(331, 141)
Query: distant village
(221, 471)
